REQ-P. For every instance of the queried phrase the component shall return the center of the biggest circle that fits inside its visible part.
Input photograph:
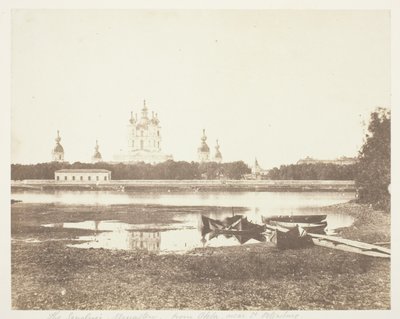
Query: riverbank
(190, 185)
(49, 275)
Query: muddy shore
(49, 275)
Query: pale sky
(276, 85)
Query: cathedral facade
(144, 140)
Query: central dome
(143, 123)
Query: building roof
(83, 170)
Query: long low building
(82, 176)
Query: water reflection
(119, 235)
(275, 202)
(145, 240)
(184, 235)
(179, 237)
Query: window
(88, 178)
(73, 178)
(158, 133)
(58, 178)
(97, 178)
(81, 178)
(65, 178)
(105, 178)
(141, 144)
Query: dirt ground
(46, 274)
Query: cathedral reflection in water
(144, 240)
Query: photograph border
(5, 138)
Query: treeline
(166, 170)
(316, 171)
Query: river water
(183, 235)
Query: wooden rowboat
(285, 238)
(316, 228)
(294, 218)
(237, 222)
(350, 245)
(295, 237)
(237, 226)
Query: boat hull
(316, 228)
(288, 238)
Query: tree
(235, 170)
(316, 171)
(373, 176)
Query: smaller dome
(97, 155)
(58, 149)
(155, 121)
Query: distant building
(144, 140)
(97, 155)
(257, 172)
(203, 151)
(58, 150)
(91, 176)
(339, 161)
(218, 155)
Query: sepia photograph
(210, 161)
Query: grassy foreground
(49, 275)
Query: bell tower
(97, 155)
(58, 151)
(203, 151)
(218, 155)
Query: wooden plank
(330, 244)
(352, 243)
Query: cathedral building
(58, 151)
(144, 139)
